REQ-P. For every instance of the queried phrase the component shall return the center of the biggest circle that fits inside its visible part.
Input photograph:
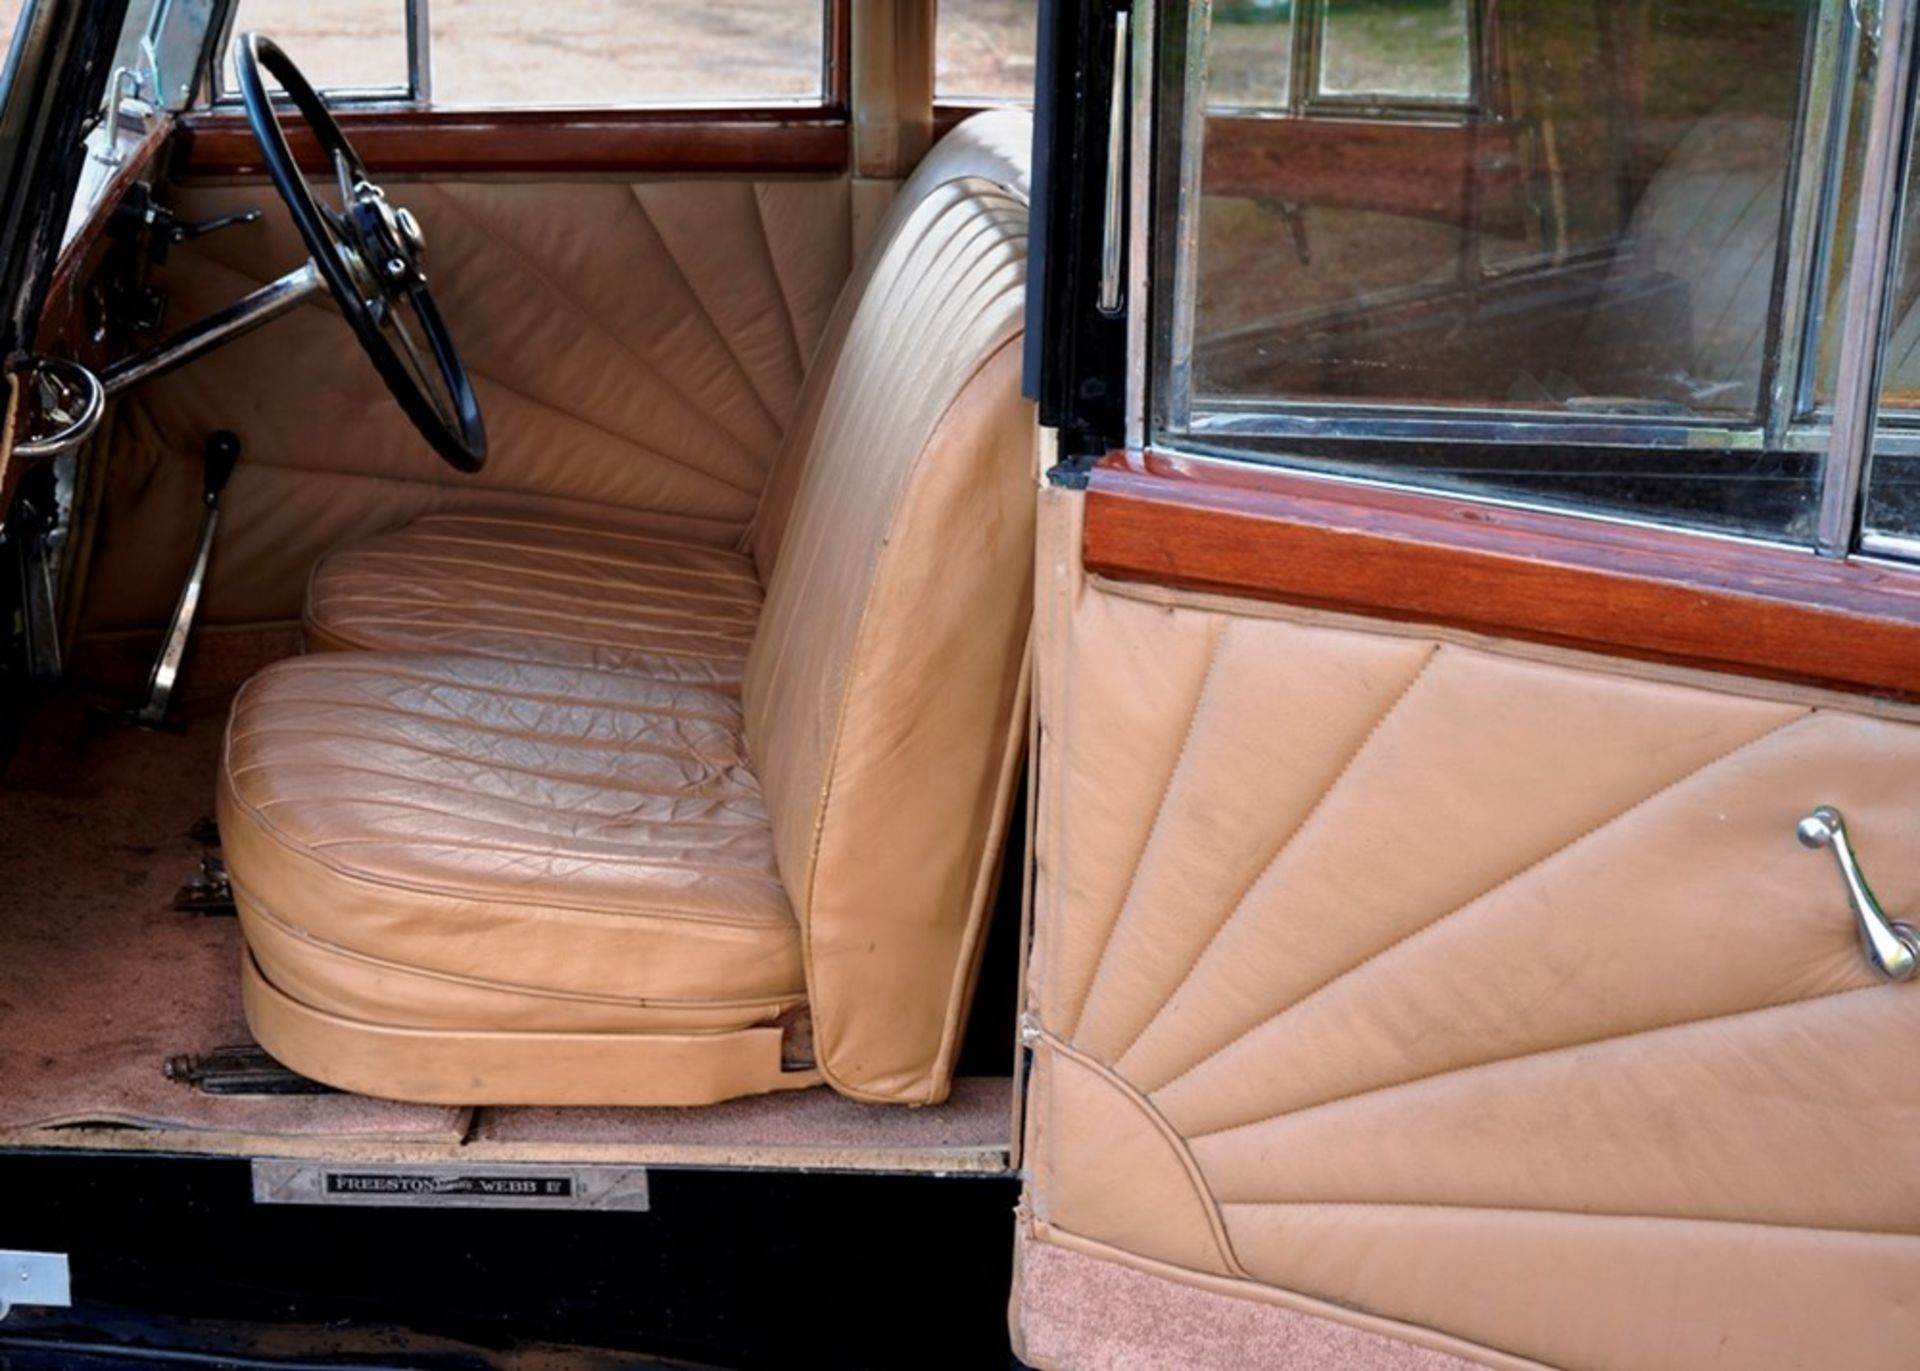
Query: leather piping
(1215, 1222)
(1506, 881)
(772, 1005)
(832, 762)
(1360, 748)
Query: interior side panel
(1480, 987)
(638, 349)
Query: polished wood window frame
(1660, 594)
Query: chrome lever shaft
(1892, 948)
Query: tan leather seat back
(996, 146)
(883, 691)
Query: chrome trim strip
(1182, 458)
(242, 316)
(419, 53)
(1259, 419)
(1896, 547)
(1185, 213)
(1812, 219)
(1111, 242)
(1864, 319)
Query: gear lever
(222, 455)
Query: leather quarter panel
(637, 348)
(1486, 987)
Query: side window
(1554, 253)
(485, 54)
(984, 52)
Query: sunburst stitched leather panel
(638, 351)
(1487, 990)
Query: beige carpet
(100, 979)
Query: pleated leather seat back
(885, 686)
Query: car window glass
(1544, 260)
(984, 51)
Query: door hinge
(34, 1278)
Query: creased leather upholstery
(401, 602)
(443, 860)
(519, 588)
(995, 147)
(453, 842)
(638, 351)
(882, 689)
(1484, 988)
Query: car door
(1479, 767)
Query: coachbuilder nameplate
(450, 1185)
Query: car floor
(102, 982)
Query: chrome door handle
(1892, 948)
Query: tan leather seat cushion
(460, 842)
(528, 589)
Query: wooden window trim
(757, 140)
(1629, 590)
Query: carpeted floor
(101, 981)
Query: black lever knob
(179, 231)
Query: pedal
(241, 1070)
(209, 892)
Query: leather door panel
(1475, 991)
(638, 349)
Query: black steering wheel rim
(369, 256)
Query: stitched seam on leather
(1221, 625)
(652, 584)
(1870, 1234)
(1705, 678)
(685, 463)
(1239, 903)
(475, 615)
(766, 1002)
(373, 587)
(887, 550)
(644, 635)
(387, 668)
(509, 519)
(779, 287)
(702, 413)
(1491, 890)
(1463, 1068)
(1216, 1222)
(533, 559)
(557, 742)
(1064, 605)
(749, 381)
(545, 908)
(742, 827)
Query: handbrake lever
(222, 455)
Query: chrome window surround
(1308, 54)
(417, 92)
(1161, 414)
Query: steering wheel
(369, 253)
